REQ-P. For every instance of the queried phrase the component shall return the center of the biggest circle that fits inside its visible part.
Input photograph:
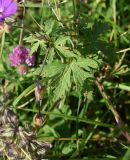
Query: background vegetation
(82, 55)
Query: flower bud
(38, 120)
(8, 28)
(23, 69)
(39, 92)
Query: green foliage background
(76, 42)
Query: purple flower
(20, 55)
(7, 8)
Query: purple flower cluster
(7, 9)
(20, 55)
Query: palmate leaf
(49, 25)
(96, 40)
(88, 63)
(83, 69)
(61, 48)
(66, 52)
(59, 74)
(77, 72)
(62, 40)
(64, 83)
(79, 75)
(96, 30)
(35, 46)
(100, 28)
(35, 42)
(53, 69)
(81, 79)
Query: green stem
(77, 123)
(74, 17)
(43, 64)
(2, 45)
(42, 12)
(112, 108)
(1, 51)
(22, 24)
(122, 86)
(73, 118)
(74, 9)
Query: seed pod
(39, 120)
(39, 92)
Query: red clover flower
(20, 57)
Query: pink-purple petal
(6, 3)
(2, 19)
(10, 10)
(30, 61)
